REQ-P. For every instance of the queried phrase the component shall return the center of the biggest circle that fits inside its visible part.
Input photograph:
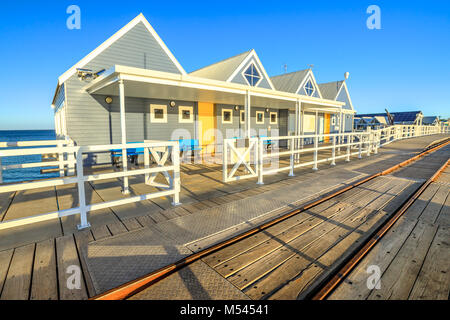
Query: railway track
(241, 250)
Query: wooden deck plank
(398, 279)
(298, 255)
(44, 285)
(433, 282)
(354, 286)
(100, 232)
(222, 256)
(81, 240)
(18, 279)
(117, 228)
(131, 224)
(146, 221)
(434, 207)
(5, 261)
(315, 219)
(67, 256)
(327, 262)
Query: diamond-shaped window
(309, 88)
(252, 75)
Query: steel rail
(133, 287)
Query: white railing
(237, 155)
(159, 150)
(62, 162)
(335, 145)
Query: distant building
(431, 121)
(378, 120)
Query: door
(206, 127)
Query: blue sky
(403, 66)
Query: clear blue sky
(403, 66)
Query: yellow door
(207, 126)
(327, 126)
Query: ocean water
(16, 175)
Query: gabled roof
(228, 69)
(293, 81)
(330, 90)
(430, 120)
(114, 38)
(289, 82)
(223, 69)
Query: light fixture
(267, 110)
(236, 108)
(172, 104)
(108, 100)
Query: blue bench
(133, 153)
(188, 145)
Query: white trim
(180, 114)
(276, 117)
(344, 85)
(140, 18)
(241, 112)
(231, 116)
(252, 54)
(310, 75)
(152, 113)
(256, 118)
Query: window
(273, 118)
(252, 75)
(259, 117)
(309, 88)
(242, 116)
(185, 114)
(227, 116)
(158, 113)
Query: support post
(176, 173)
(360, 146)
(225, 161)
(260, 168)
(349, 145)
(291, 171)
(316, 145)
(60, 158)
(247, 107)
(123, 129)
(333, 152)
(81, 192)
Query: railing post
(260, 168)
(291, 171)
(349, 145)
(360, 146)
(176, 173)
(333, 152)
(81, 192)
(147, 162)
(225, 161)
(71, 158)
(316, 151)
(376, 139)
(60, 158)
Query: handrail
(172, 188)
